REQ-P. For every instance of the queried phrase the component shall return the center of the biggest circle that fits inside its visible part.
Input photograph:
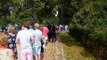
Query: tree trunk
(61, 14)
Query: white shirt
(37, 37)
(25, 37)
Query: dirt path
(54, 51)
(58, 51)
(49, 53)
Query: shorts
(26, 54)
(36, 50)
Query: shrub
(92, 38)
(67, 39)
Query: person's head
(3, 40)
(11, 30)
(37, 26)
(26, 25)
(1, 29)
(31, 27)
(42, 25)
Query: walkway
(54, 51)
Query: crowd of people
(32, 41)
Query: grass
(73, 50)
(77, 53)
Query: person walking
(1, 30)
(5, 53)
(53, 33)
(50, 32)
(25, 39)
(11, 40)
(44, 35)
(37, 44)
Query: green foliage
(89, 26)
(32, 10)
(51, 20)
(22, 9)
(67, 39)
(100, 36)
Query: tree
(22, 9)
(89, 25)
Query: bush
(79, 32)
(52, 20)
(92, 38)
(73, 49)
(100, 36)
(67, 39)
